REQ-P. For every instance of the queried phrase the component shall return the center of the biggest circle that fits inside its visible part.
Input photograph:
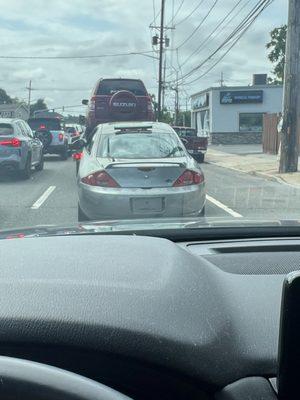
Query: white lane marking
(223, 206)
(43, 198)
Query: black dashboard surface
(143, 298)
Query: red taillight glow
(77, 156)
(42, 126)
(61, 137)
(14, 142)
(189, 178)
(16, 236)
(100, 178)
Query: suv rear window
(109, 87)
(51, 124)
(6, 129)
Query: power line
(201, 45)
(154, 12)
(140, 53)
(245, 29)
(191, 13)
(60, 89)
(255, 12)
(155, 15)
(199, 25)
(176, 13)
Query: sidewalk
(264, 165)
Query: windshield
(6, 129)
(43, 123)
(185, 132)
(70, 129)
(108, 87)
(143, 115)
(140, 146)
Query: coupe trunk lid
(146, 174)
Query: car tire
(81, 215)
(199, 158)
(26, 172)
(65, 153)
(40, 166)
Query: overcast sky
(95, 27)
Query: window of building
(251, 122)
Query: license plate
(147, 204)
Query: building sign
(200, 101)
(241, 97)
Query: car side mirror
(85, 102)
(78, 144)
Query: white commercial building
(234, 114)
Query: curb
(258, 174)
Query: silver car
(138, 170)
(20, 150)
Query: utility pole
(291, 98)
(222, 79)
(29, 97)
(176, 100)
(161, 46)
(164, 85)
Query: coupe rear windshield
(51, 124)
(109, 87)
(6, 129)
(140, 146)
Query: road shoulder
(261, 165)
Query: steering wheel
(22, 379)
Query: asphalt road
(50, 196)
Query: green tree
(37, 106)
(166, 116)
(4, 97)
(184, 118)
(277, 53)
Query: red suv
(118, 100)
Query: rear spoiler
(145, 164)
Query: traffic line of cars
(24, 144)
(128, 166)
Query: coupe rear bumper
(118, 203)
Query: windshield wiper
(172, 152)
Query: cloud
(93, 27)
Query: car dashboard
(149, 317)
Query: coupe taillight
(13, 142)
(189, 178)
(100, 178)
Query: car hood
(156, 226)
